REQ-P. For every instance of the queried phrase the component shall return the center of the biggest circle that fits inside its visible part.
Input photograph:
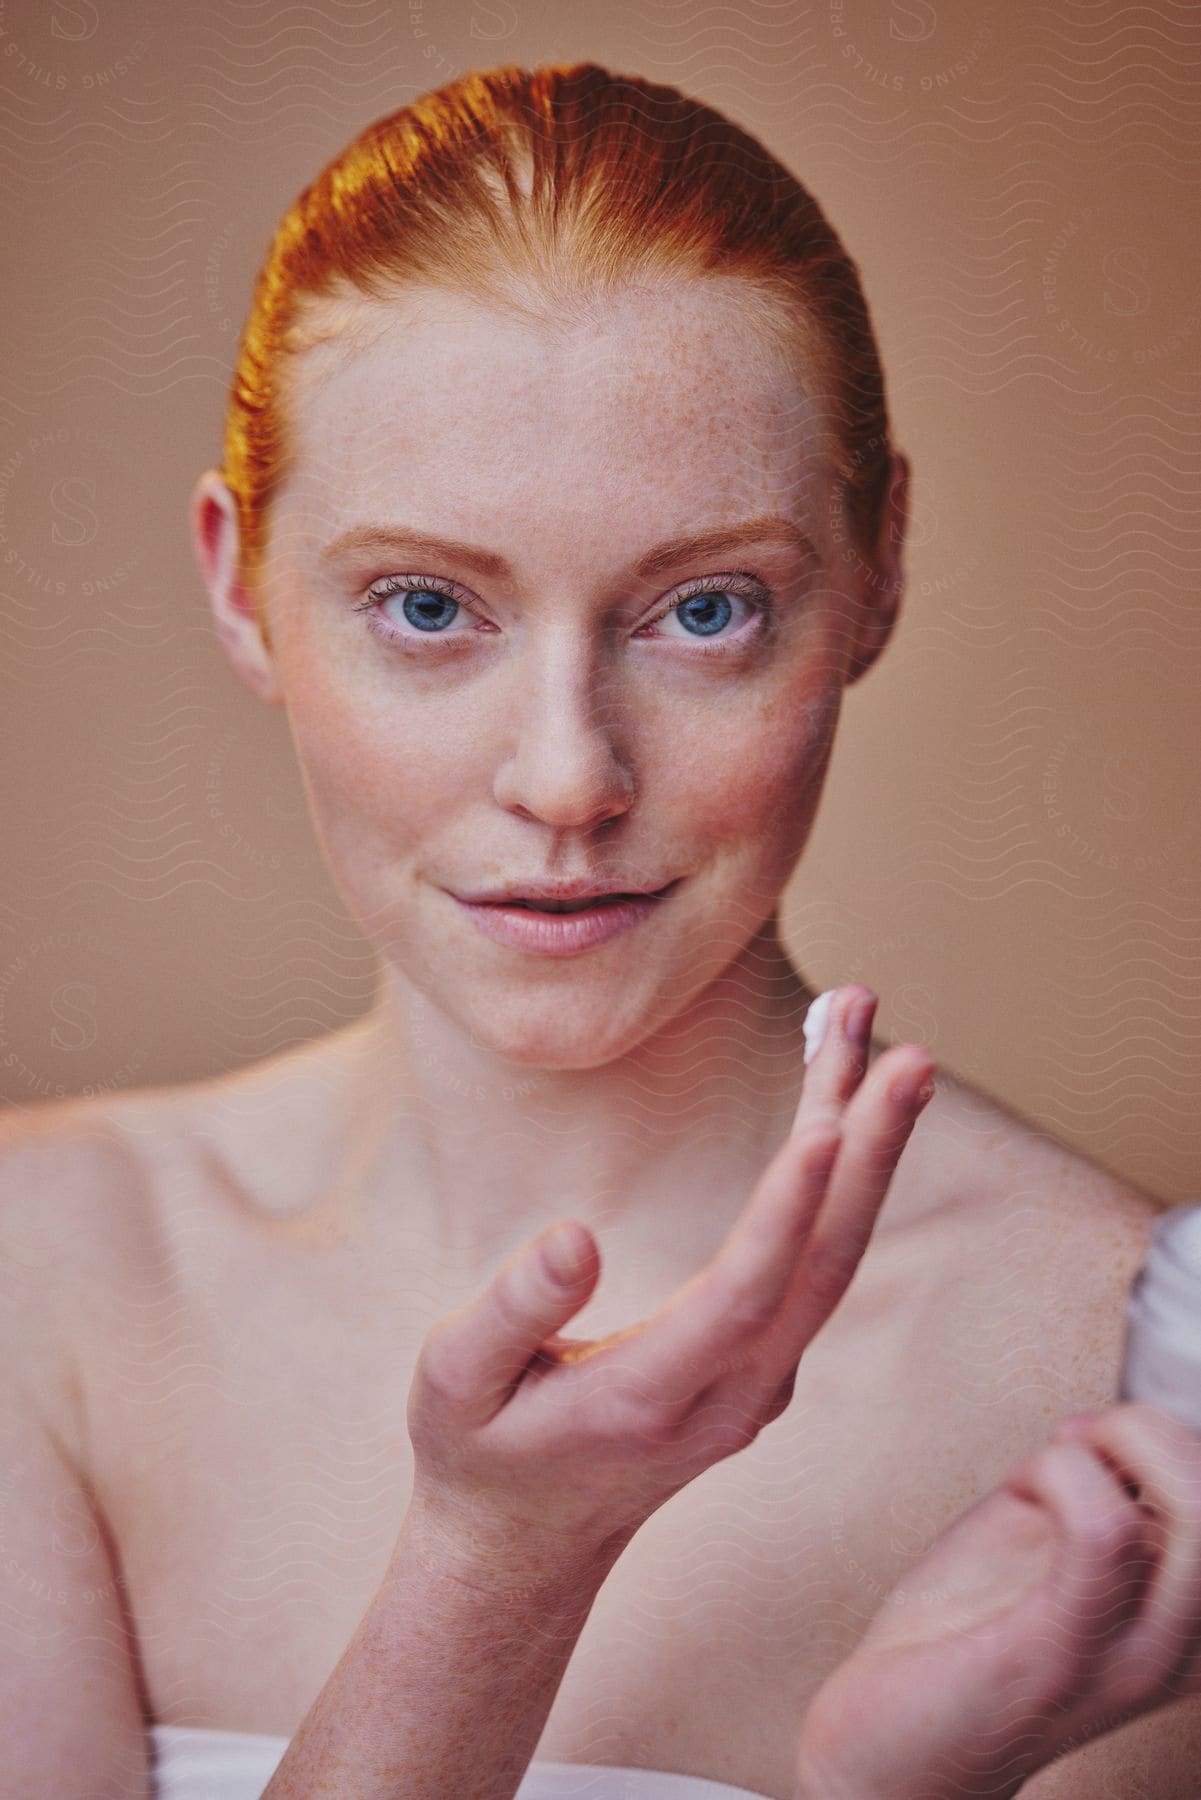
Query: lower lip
(561, 934)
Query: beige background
(1008, 843)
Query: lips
(550, 901)
(554, 928)
(565, 906)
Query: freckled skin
(558, 741)
(409, 1158)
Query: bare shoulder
(98, 1193)
(74, 1208)
(995, 1154)
(71, 1186)
(999, 1298)
(973, 1156)
(1057, 1238)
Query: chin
(557, 1030)
(551, 1043)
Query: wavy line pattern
(230, 1187)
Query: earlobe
(883, 580)
(896, 508)
(216, 545)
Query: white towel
(194, 1763)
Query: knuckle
(747, 1314)
(1109, 1519)
(781, 1400)
(628, 1414)
(730, 1429)
(1042, 1469)
(820, 1136)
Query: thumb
(476, 1354)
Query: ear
(882, 580)
(215, 543)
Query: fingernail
(1075, 1425)
(815, 1022)
(859, 1023)
(562, 1253)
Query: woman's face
(534, 710)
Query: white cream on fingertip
(814, 1024)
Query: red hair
(537, 190)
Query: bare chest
(252, 1457)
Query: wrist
(500, 1558)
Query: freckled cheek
(376, 774)
(755, 784)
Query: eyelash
(758, 598)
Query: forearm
(446, 1685)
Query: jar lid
(1161, 1357)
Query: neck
(489, 1151)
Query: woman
(558, 508)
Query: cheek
(758, 778)
(372, 767)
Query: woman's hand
(529, 1445)
(1062, 1605)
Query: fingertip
(565, 1251)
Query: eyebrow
(768, 528)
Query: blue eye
(704, 613)
(428, 606)
(707, 611)
(431, 607)
(427, 610)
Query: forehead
(656, 408)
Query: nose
(565, 769)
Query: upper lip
(557, 890)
